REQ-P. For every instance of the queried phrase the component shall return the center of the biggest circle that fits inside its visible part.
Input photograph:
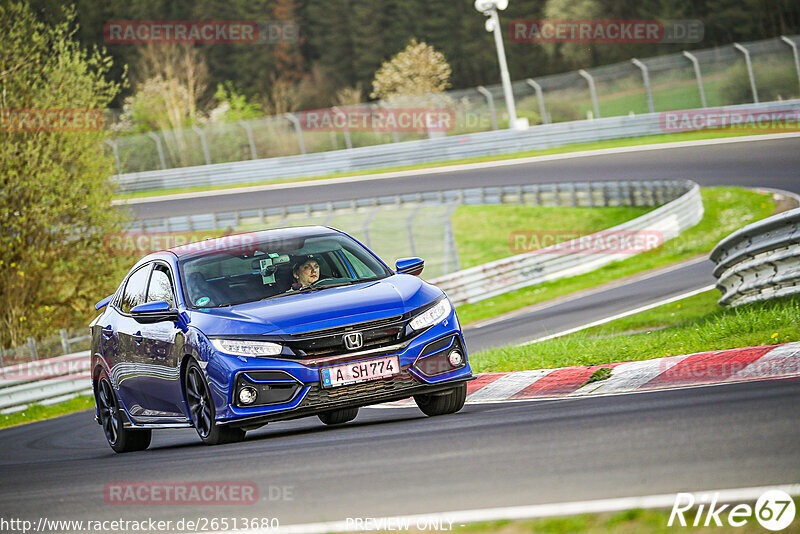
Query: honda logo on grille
(353, 340)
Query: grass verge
(695, 324)
(635, 521)
(39, 412)
(726, 210)
(578, 147)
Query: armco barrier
(44, 381)
(683, 210)
(760, 261)
(414, 152)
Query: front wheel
(337, 417)
(201, 410)
(120, 439)
(440, 404)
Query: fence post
(347, 140)
(592, 91)
(540, 98)
(203, 143)
(410, 230)
(115, 149)
(490, 101)
(1, 358)
(298, 130)
(32, 348)
(160, 149)
(64, 340)
(749, 64)
(794, 53)
(698, 75)
(647, 88)
(250, 139)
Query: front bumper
(308, 397)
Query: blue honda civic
(229, 334)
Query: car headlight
(432, 316)
(256, 349)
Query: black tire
(201, 409)
(439, 404)
(120, 439)
(337, 417)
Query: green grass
(38, 412)
(635, 521)
(578, 147)
(696, 324)
(726, 209)
(485, 233)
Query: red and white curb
(703, 368)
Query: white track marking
(629, 376)
(506, 386)
(454, 168)
(456, 518)
(621, 315)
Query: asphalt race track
(394, 461)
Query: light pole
(489, 8)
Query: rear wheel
(337, 417)
(440, 404)
(120, 439)
(201, 410)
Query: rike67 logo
(774, 510)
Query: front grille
(375, 334)
(321, 396)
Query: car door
(130, 368)
(161, 349)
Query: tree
(417, 70)
(55, 186)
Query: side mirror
(410, 266)
(154, 312)
(99, 306)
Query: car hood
(317, 310)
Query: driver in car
(305, 272)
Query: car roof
(226, 242)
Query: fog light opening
(455, 358)
(247, 395)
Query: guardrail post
(794, 53)
(32, 348)
(490, 102)
(749, 65)
(647, 88)
(347, 141)
(592, 91)
(160, 149)
(698, 75)
(298, 130)
(203, 143)
(64, 340)
(540, 98)
(115, 149)
(251, 141)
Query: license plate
(351, 373)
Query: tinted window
(135, 289)
(161, 286)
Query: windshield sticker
(202, 301)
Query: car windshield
(271, 268)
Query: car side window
(361, 270)
(161, 286)
(135, 289)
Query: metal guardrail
(683, 209)
(760, 261)
(413, 152)
(44, 381)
